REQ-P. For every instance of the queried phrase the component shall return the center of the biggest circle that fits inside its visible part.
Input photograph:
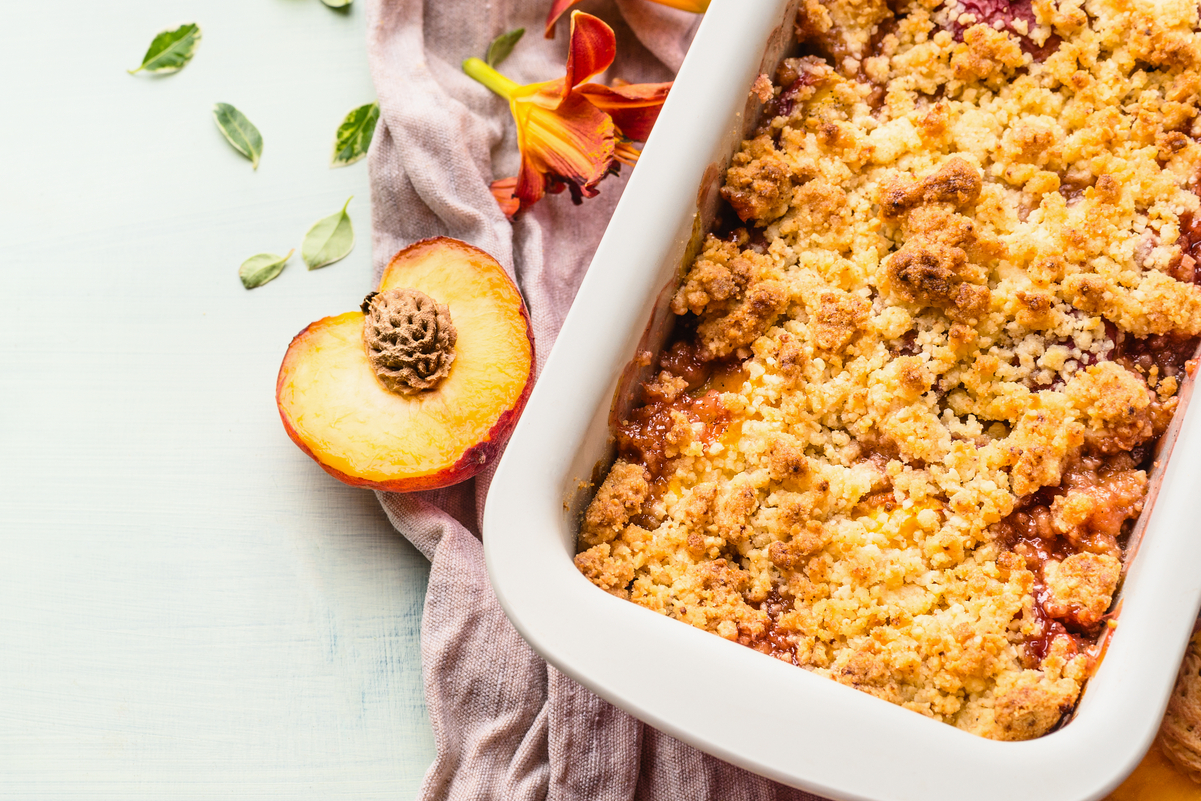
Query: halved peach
(335, 408)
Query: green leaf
(502, 46)
(354, 135)
(337, 3)
(240, 132)
(329, 240)
(170, 50)
(258, 270)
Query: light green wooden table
(189, 607)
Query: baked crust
(1180, 732)
(941, 339)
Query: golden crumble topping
(921, 365)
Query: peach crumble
(902, 431)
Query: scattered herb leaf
(258, 270)
(337, 3)
(354, 135)
(329, 240)
(170, 50)
(502, 46)
(240, 132)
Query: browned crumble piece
(619, 497)
(746, 322)
(1082, 586)
(610, 575)
(986, 55)
(720, 277)
(956, 182)
(839, 316)
(1028, 705)
(759, 183)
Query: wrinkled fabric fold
(508, 727)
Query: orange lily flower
(558, 7)
(572, 133)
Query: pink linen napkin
(507, 726)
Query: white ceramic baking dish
(733, 702)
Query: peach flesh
(333, 407)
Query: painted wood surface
(189, 607)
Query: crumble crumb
(763, 88)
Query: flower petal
(634, 107)
(549, 94)
(695, 6)
(557, 9)
(504, 191)
(572, 145)
(592, 49)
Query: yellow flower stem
(489, 77)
